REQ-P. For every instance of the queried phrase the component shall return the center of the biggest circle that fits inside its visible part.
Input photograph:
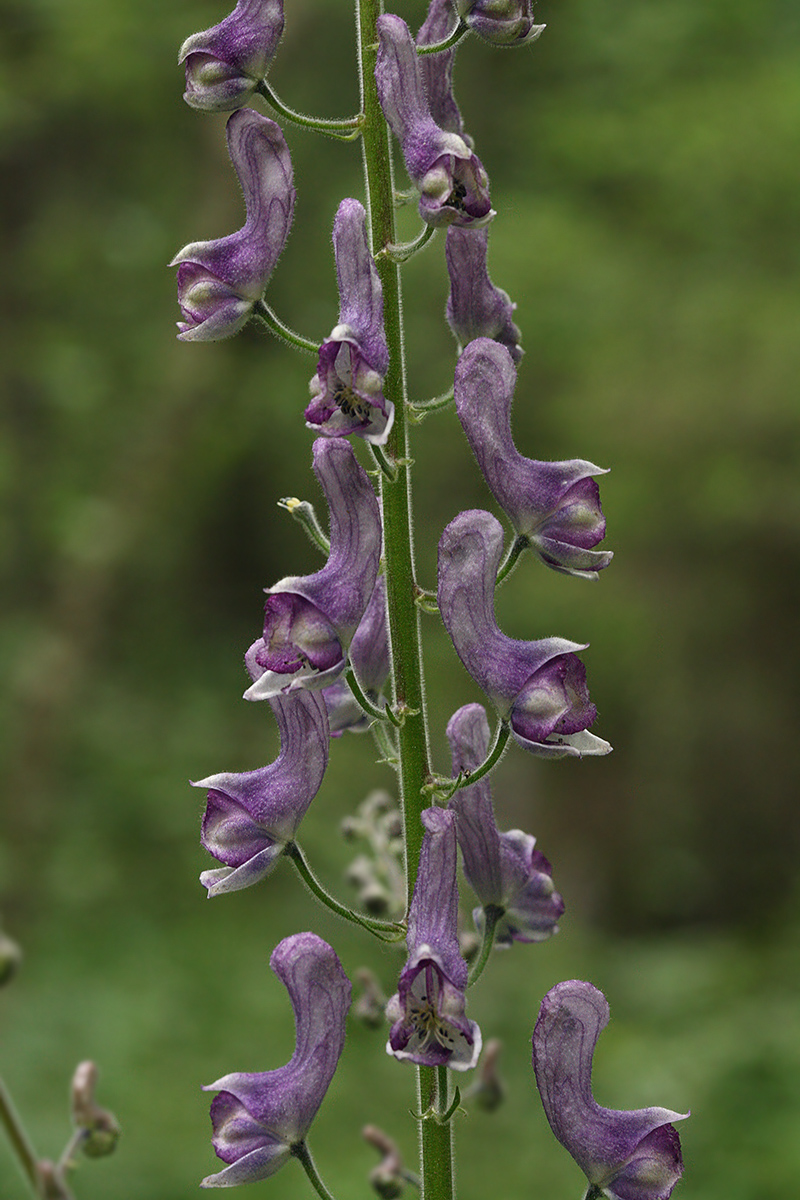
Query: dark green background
(644, 162)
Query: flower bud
(100, 1128)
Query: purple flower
(225, 64)
(475, 307)
(453, 185)
(259, 1119)
(427, 1011)
(554, 506)
(504, 869)
(310, 620)
(250, 818)
(346, 392)
(437, 69)
(625, 1155)
(220, 282)
(538, 687)
(369, 657)
(501, 22)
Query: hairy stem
(20, 1143)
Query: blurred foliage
(643, 157)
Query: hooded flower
(259, 1119)
(369, 658)
(309, 620)
(225, 64)
(625, 1155)
(346, 392)
(427, 1011)
(501, 22)
(250, 818)
(538, 687)
(504, 869)
(437, 69)
(554, 506)
(475, 307)
(454, 188)
(220, 282)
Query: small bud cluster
(339, 649)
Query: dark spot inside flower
(351, 404)
(458, 196)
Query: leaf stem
(519, 544)
(344, 128)
(276, 326)
(387, 931)
(460, 31)
(491, 916)
(302, 1153)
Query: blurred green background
(644, 162)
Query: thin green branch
(491, 915)
(459, 32)
(400, 252)
(377, 714)
(274, 324)
(519, 544)
(302, 1153)
(343, 128)
(388, 469)
(443, 788)
(419, 409)
(305, 514)
(21, 1145)
(387, 931)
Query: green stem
(444, 788)
(388, 469)
(396, 496)
(305, 515)
(421, 408)
(387, 931)
(275, 325)
(436, 1136)
(491, 915)
(403, 251)
(20, 1142)
(377, 714)
(303, 1155)
(519, 544)
(345, 128)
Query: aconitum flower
(427, 1011)
(250, 818)
(437, 69)
(475, 307)
(225, 64)
(310, 620)
(538, 687)
(554, 506)
(501, 22)
(505, 870)
(261, 1119)
(347, 390)
(220, 282)
(632, 1155)
(370, 659)
(454, 188)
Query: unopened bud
(488, 1091)
(100, 1128)
(371, 1004)
(389, 1177)
(10, 958)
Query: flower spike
(475, 307)
(310, 620)
(250, 818)
(503, 869)
(225, 64)
(538, 687)
(501, 22)
(554, 506)
(220, 282)
(427, 1011)
(347, 390)
(633, 1155)
(260, 1119)
(454, 188)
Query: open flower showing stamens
(505, 870)
(220, 282)
(347, 390)
(555, 506)
(475, 307)
(225, 64)
(501, 22)
(310, 620)
(633, 1155)
(453, 186)
(538, 687)
(259, 1119)
(251, 817)
(427, 1011)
